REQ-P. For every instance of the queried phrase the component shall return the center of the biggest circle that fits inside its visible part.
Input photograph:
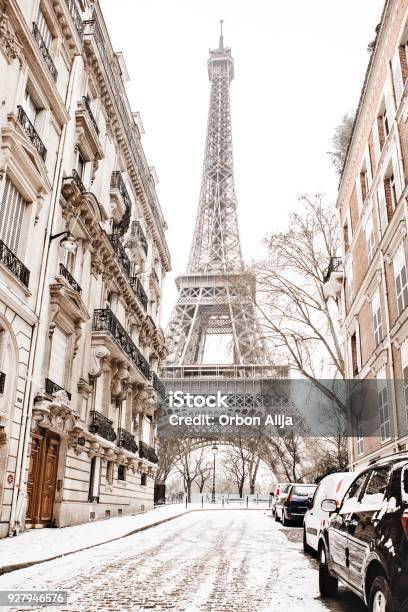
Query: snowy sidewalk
(38, 545)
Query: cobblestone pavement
(216, 561)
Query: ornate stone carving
(98, 356)
(56, 415)
(8, 40)
(120, 379)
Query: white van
(333, 486)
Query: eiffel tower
(216, 295)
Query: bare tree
(341, 141)
(189, 464)
(236, 463)
(204, 473)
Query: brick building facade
(372, 202)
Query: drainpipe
(19, 490)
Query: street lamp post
(214, 450)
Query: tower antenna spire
(221, 35)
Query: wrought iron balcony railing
(139, 291)
(44, 52)
(12, 263)
(117, 182)
(102, 426)
(335, 265)
(105, 320)
(87, 103)
(126, 440)
(68, 276)
(147, 452)
(120, 253)
(76, 17)
(2, 382)
(31, 132)
(158, 385)
(137, 231)
(78, 181)
(51, 388)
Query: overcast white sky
(299, 66)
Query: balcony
(137, 237)
(87, 104)
(126, 440)
(12, 263)
(68, 276)
(102, 426)
(44, 52)
(105, 321)
(158, 386)
(31, 133)
(51, 388)
(139, 291)
(76, 17)
(333, 278)
(147, 452)
(2, 382)
(120, 253)
(122, 202)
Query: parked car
(365, 544)
(332, 486)
(280, 490)
(292, 505)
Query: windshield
(303, 491)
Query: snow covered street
(206, 560)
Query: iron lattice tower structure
(216, 295)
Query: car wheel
(306, 548)
(380, 597)
(275, 515)
(285, 521)
(328, 585)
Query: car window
(285, 488)
(376, 486)
(353, 493)
(302, 491)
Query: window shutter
(397, 176)
(389, 102)
(11, 216)
(399, 259)
(397, 76)
(146, 430)
(382, 205)
(58, 357)
(376, 141)
(404, 354)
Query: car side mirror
(329, 505)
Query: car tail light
(289, 499)
(404, 521)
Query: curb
(6, 569)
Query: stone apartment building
(82, 257)
(371, 279)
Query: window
(94, 477)
(383, 406)
(109, 472)
(147, 422)
(359, 434)
(377, 320)
(396, 69)
(400, 274)
(30, 107)
(346, 236)
(369, 232)
(80, 165)
(44, 30)
(376, 486)
(364, 184)
(58, 356)
(404, 365)
(12, 207)
(354, 354)
(121, 472)
(143, 480)
(352, 496)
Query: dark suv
(365, 544)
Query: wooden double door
(42, 477)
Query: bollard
(202, 501)
(247, 501)
(186, 501)
(223, 502)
